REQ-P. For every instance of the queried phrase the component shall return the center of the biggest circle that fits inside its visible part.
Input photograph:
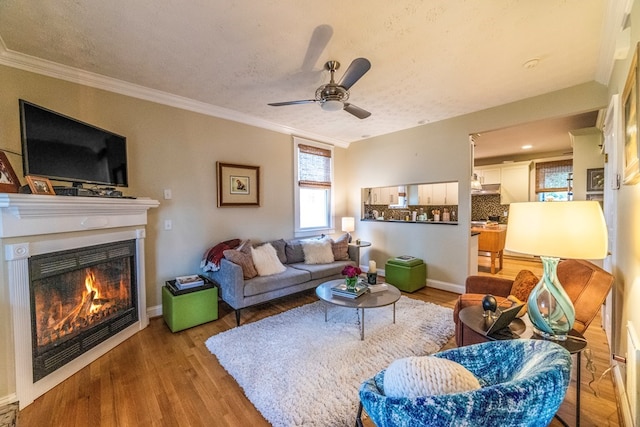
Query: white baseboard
(621, 395)
(446, 286)
(154, 311)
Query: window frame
(312, 231)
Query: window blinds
(314, 167)
(553, 176)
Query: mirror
(430, 202)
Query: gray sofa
(240, 293)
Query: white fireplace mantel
(29, 214)
(53, 223)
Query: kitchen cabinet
(512, 177)
(445, 193)
(488, 174)
(514, 186)
(384, 196)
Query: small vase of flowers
(351, 274)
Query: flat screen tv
(65, 149)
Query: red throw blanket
(212, 257)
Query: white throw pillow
(317, 251)
(265, 259)
(414, 377)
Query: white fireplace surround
(38, 224)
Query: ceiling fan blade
(356, 111)
(280, 104)
(357, 69)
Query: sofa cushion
(266, 260)
(265, 284)
(319, 271)
(414, 377)
(317, 251)
(244, 260)
(294, 252)
(340, 247)
(524, 282)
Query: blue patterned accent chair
(523, 383)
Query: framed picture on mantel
(9, 182)
(238, 185)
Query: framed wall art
(9, 182)
(595, 179)
(238, 185)
(631, 153)
(40, 185)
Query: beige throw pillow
(266, 260)
(340, 248)
(317, 251)
(414, 377)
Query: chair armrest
(497, 286)
(231, 281)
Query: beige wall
(586, 155)
(627, 251)
(168, 149)
(440, 152)
(176, 149)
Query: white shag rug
(299, 370)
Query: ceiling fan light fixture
(332, 105)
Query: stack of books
(342, 291)
(380, 287)
(187, 282)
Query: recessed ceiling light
(421, 122)
(365, 136)
(532, 63)
(527, 147)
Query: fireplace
(74, 269)
(79, 298)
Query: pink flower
(351, 271)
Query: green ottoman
(191, 308)
(406, 273)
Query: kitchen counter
(412, 222)
(492, 240)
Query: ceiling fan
(333, 96)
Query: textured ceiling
(431, 60)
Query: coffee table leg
(394, 313)
(362, 327)
(325, 313)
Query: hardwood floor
(157, 378)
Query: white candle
(372, 266)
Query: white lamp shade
(574, 229)
(348, 224)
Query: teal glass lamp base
(549, 307)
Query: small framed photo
(9, 182)
(595, 179)
(40, 185)
(238, 185)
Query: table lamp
(554, 230)
(348, 225)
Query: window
(313, 183)
(554, 180)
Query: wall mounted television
(65, 149)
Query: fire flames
(100, 298)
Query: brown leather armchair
(586, 284)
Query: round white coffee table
(368, 300)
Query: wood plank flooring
(157, 378)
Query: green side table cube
(192, 308)
(406, 273)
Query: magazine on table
(342, 291)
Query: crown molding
(75, 75)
